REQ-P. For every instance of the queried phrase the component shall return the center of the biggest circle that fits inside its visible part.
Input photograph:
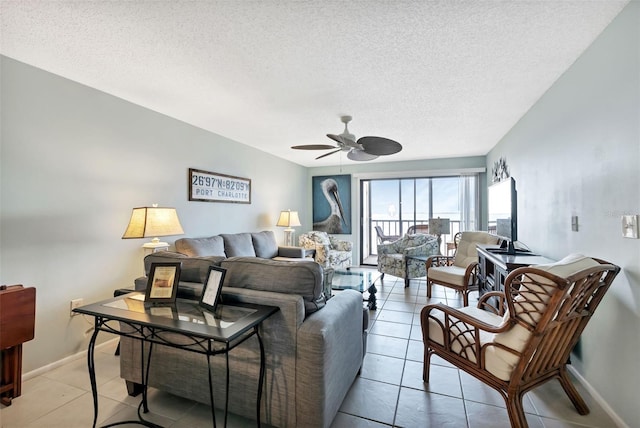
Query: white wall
(577, 152)
(74, 162)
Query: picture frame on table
(162, 285)
(212, 290)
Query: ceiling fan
(364, 149)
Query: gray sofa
(197, 254)
(314, 349)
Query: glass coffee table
(358, 279)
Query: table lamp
(288, 219)
(439, 226)
(152, 222)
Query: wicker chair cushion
(447, 274)
(531, 303)
(467, 252)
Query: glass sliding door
(394, 205)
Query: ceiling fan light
(360, 155)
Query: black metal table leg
(262, 373)
(211, 401)
(226, 398)
(92, 370)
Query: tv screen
(503, 208)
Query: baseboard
(59, 363)
(596, 396)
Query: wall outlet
(574, 223)
(75, 303)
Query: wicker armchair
(528, 339)
(418, 228)
(459, 271)
(382, 238)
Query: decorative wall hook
(500, 170)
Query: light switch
(574, 223)
(630, 226)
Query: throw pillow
(265, 244)
(201, 247)
(238, 245)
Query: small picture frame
(212, 288)
(162, 286)
(630, 226)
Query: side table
(17, 324)
(207, 334)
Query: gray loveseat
(314, 350)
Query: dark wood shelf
(495, 265)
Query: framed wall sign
(212, 288)
(208, 186)
(162, 285)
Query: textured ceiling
(443, 78)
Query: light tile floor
(389, 391)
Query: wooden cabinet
(495, 266)
(17, 325)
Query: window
(397, 204)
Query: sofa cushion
(198, 247)
(264, 244)
(301, 278)
(238, 245)
(192, 269)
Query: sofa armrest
(329, 355)
(389, 248)
(291, 306)
(427, 249)
(321, 255)
(340, 245)
(295, 252)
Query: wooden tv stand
(496, 265)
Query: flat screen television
(503, 212)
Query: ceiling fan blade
(314, 147)
(360, 155)
(379, 146)
(327, 154)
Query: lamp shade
(152, 222)
(439, 226)
(288, 218)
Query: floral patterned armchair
(330, 251)
(395, 258)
